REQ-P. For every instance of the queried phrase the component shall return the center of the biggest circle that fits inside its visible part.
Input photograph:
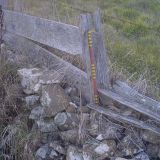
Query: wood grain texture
(93, 22)
(61, 36)
(85, 25)
(125, 119)
(130, 103)
(100, 53)
(102, 71)
(124, 89)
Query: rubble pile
(69, 130)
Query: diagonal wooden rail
(57, 35)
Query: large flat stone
(37, 113)
(74, 153)
(66, 121)
(47, 126)
(54, 99)
(33, 79)
(150, 137)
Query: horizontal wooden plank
(38, 56)
(125, 119)
(124, 89)
(130, 103)
(61, 36)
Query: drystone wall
(69, 130)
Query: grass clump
(135, 30)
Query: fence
(86, 39)
(131, 36)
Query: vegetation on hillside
(131, 27)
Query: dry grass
(11, 106)
(10, 91)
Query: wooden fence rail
(58, 35)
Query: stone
(71, 91)
(150, 137)
(54, 99)
(53, 154)
(33, 79)
(68, 90)
(66, 121)
(106, 148)
(37, 113)
(48, 137)
(51, 77)
(74, 154)
(47, 126)
(30, 80)
(31, 101)
(57, 147)
(72, 108)
(42, 152)
(102, 129)
(70, 136)
(118, 158)
(153, 150)
(87, 156)
(78, 101)
(159, 154)
(141, 156)
(131, 144)
(110, 132)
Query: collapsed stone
(74, 153)
(37, 113)
(66, 121)
(31, 101)
(47, 126)
(54, 99)
(106, 148)
(64, 124)
(33, 79)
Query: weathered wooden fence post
(18, 5)
(4, 3)
(92, 23)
